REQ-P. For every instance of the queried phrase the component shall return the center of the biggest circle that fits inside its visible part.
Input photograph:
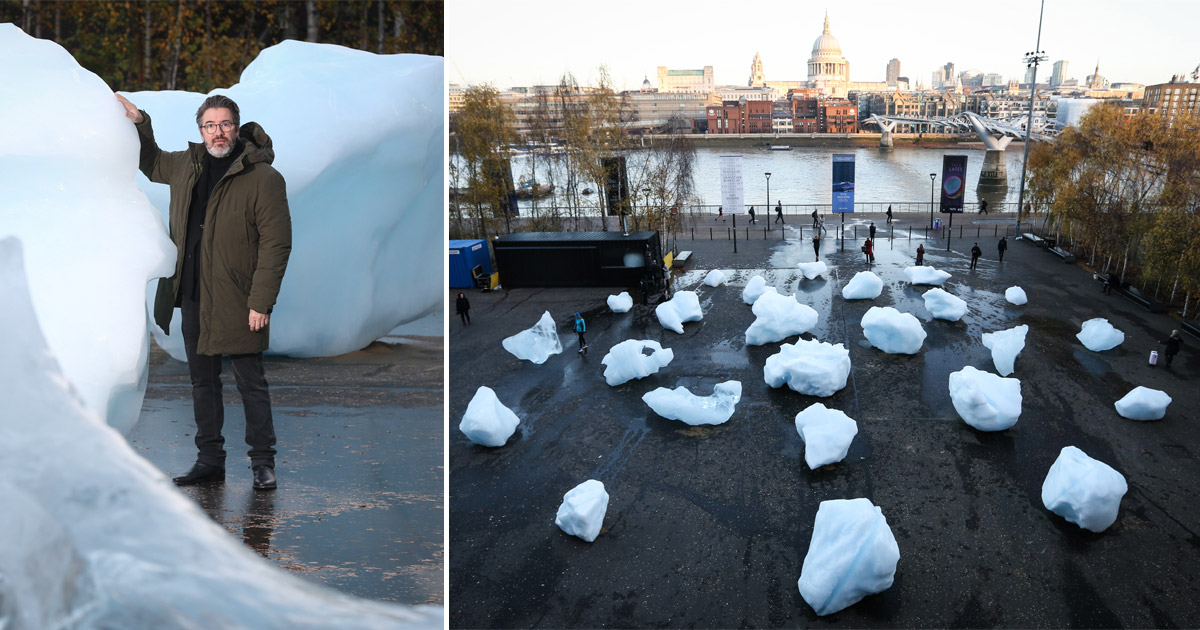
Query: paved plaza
(709, 526)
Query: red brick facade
(808, 115)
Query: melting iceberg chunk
(683, 307)
(1005, 346)
(535, 344)
(779, 317)
(487, 421)
(863, 286)
(985, 401)
(628, 360)
(811, 367)
(1143, 403)
(827, 434)
(852, 554)
(582, 511)
(892, 331)
(1083, 490)
(1098, 335)
(680, 404)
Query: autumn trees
(1126, 191)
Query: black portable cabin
(578, 259)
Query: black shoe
(201, 473)
(264, 477)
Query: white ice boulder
(865, 285)
(778, 317)
(984, 400)
(926, 275)
(813, 269)
(944, 305)
(620, 303)
(810, 367)
(1143, 403)
(683, 307)
(582, 511)
(827, 434)
(681, 404)
(1016, 295)
(628, 360)
(1083, 490)
(1005, 346)
(377, 157)
(535, 344)
(1098, 335)
(487, 421)
(892, 331)
(754, 289)
(715, 278)
(95, 536)
(853, 554)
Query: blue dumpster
(465, 256)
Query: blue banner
(954, 182)
(843, 182)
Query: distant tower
(756, 72)
(1096, 81)
(1059, 74)
(893, 71)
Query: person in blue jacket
(580, 328)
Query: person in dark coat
(1003, 247)
(751, 213)
(720, 213)
(975, 254)
(872, 231)
(817, 244)
(463, 307)
(1173, 343)
(889, 213)
(779, 212)
(920, 254)
(983, 206)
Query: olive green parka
(245, 245)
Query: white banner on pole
(733, 198)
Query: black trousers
(208, 404)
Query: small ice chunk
(1143, 403)
(813, 269)
(984, 400)
(628, 360)
(926, 275)
(620, 303)
(680, 404)
(487, 421)
(714, 278)
(779, 317)
(1083, 490)
(944, 305)
(684, 307)
(827, 434)
(1015, 295)
(535, 344)
(754, 289)
(865, 285)
(582, 511)
(852, 554)
(810, 367)
(1005, 346)
(892, 331)
(1098, 335)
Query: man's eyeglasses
(211, 128)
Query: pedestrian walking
(580, 328)
(889, 213)
(983, 206)
(920, 254)
(975, 254)
(779, 212)
(720, 213)
(1173, 343)
(817, 244)
(816, 219)
(1107, 288)
(1002, 246)
(868, 248)
(872, 231)
(751, 213)
(463, 307)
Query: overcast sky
(533, 42)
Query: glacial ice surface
(1083, 490)
(681, 404)
(812, 269)
(827, 434)
(926, 275)
(865, 285)
(535, 344)
(984, 400)
(810, 367)
(582, 511)
(1143, 403)
(1005, 346)
(97, 537)
(487, 421)
(684, 306)
(715, 278)
(853, 554)
(1098, 335)
(1016, 295)
(620, 303)
(754, 289)
(778, 317)
(892, 331)
(944, 305)
(628, 360)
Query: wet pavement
(360, 464)
(709, 526)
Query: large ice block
(985, 401)
(853, 554)
(1083, 490)
(487, 421)
(582, 511)
(681, 404)
(810, 367)
(827, 434)
(535, 344)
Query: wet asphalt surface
(360, 465)
(709, 526)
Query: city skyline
(534, 43)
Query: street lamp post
(1032, 59)
(932, 176)
(768, 210)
